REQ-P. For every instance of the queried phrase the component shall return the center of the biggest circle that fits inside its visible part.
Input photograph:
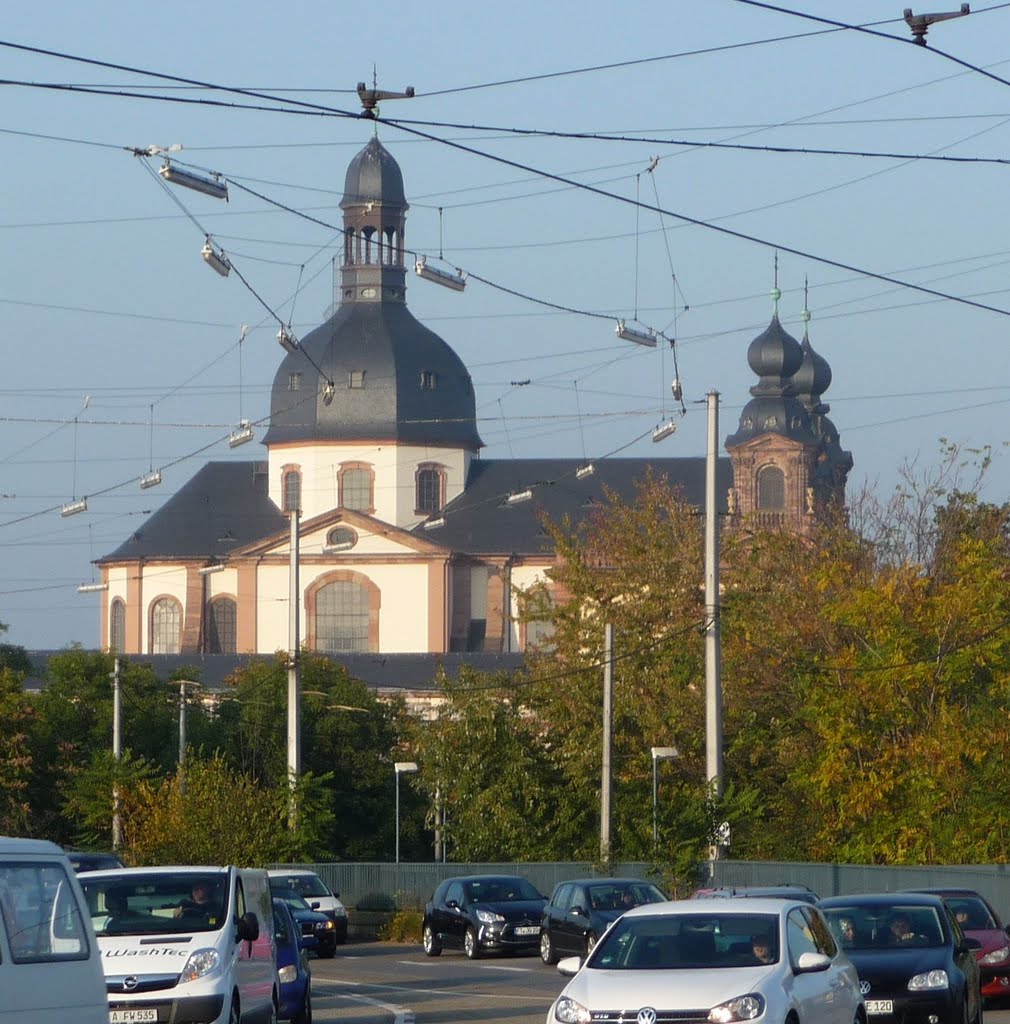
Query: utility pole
(713, 654)
(183, 683)
(117, 750)
(608, 726)
(294, 687)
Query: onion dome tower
(774, 450)
(372, 372)
(810, 381)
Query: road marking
(401, 1014)
(499, 967)
(332, 984)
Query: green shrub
(404, 926)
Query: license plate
(140, 1016)
(528, 929)
(879, 1006)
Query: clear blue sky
(104, 294)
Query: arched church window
(166, 626)
(222, 619)
(771, 488)
(291, 491)
(430, 488)
(342, 618)
(355, 486)
(117, 626)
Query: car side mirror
(569, 966)
(970, 943)
(811, 963)
(336, 895)
(247, 928)
(452, 904)
(579, 910)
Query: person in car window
(847, 930)
(900, 931)
(761, 947)
(200, 904)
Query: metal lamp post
(401, 768)
(659, 754)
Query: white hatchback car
(717, 961)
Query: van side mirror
(247, 928)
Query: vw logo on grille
(647, 1015)
(130, 983)
(864, 988)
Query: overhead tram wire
(695, 221)
(884, 35)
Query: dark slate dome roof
(373, 176)
(813, 377)
(393, 349)
(774, 414)
(774, 355)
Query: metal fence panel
(409, 885)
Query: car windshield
(282, 928)
(307, 885)
(623, 895)
(500, 890)
(972, 913)
(687, 942)
(295, 900)
(155, 903)
(893, 926)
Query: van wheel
(235, 1016)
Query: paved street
(382, 983)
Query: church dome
(774, 355)
(373, 176)
(393, 380)
(813, 377)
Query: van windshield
(307, 885)
(156, 903)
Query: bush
(404, 926)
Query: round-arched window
(341, 537)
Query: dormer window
(294, 382)
(429, 380)
(355, 378)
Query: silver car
(721, 961)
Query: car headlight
(200, 963)
(741, 1008)
(997, 956)
(339, 912)
(928, 980)
(287, 974)
(568, 1011)
(489, 917)
(322, 926)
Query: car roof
(949, 892)
(483, 878)
(605, 881)
(884, 899)
(13, 845)
(743, 905)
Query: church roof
(225, 505)
(482, 522)
(394, 380)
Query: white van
(50, 969)
(185, 943)
(309, 885)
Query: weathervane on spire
(776, 293)
(805, 315)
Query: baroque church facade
(407, 541)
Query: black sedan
(314, 925)
(483, 914)
(580, 911)
(914, 962)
